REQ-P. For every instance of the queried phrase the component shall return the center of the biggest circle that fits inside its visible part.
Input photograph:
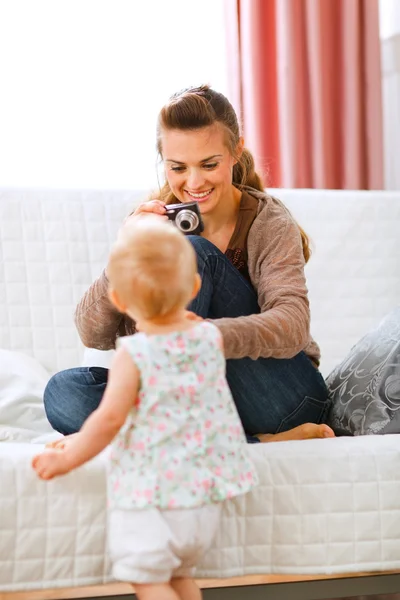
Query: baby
(178, 450)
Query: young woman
(251, 259)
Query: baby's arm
(102, 425)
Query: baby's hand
(62, 443)
(50, 463)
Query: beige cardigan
(276, 269)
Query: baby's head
(152, 269)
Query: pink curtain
(305, 77)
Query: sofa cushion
(365, 387)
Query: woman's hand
(154, 207)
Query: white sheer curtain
(82, 82)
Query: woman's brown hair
(198, 107)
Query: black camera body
(186, 217)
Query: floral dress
(183, 444)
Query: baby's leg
(186, 588)
(157, 591)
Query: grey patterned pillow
(365, 388)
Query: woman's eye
(178, 169)
(210, 166)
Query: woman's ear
(196, 286)
(240, 147)
(239, 150)
(112, 294)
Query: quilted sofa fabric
(52, 245)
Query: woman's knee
(70, 396)
(56, 394)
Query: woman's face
(198, 166)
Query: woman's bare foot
(61, 443)
(308, 431)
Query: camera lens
(186, 221)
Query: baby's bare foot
(308, 431)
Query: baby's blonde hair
(152, 268)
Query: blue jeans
(271, 395)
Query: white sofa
(325, 506)
(54, 243)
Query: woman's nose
(195, 180)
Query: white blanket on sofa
(22, 382)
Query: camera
(186, 216)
